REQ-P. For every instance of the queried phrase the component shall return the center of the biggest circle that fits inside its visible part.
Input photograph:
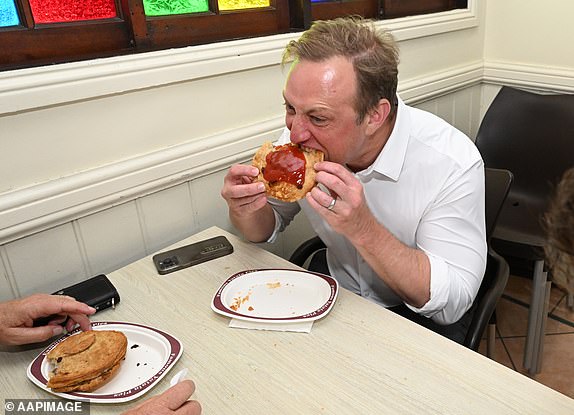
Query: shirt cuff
(278, 226)
(439, 288)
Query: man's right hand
(248, 208)
(243, 195)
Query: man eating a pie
(399, 200)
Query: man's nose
(299, 131)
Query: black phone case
(193, 254)
(97, 292)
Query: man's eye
(289, 109)
(318, 120)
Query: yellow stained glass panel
(242, 4)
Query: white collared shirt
(427, 188)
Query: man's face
(320, 113)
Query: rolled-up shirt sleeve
(452, 234)
(284, 214)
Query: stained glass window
(8, 13)
(168, 7)
(242, 4)
(52, 11)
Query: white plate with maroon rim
(276, 296)
(151, 353)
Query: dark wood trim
(402, 8)
(135, 17)
(132, 31)
(48, 44)
(26, 16)
(185, 30)
(330, 9)
(300, 12)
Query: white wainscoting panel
(111, 238)
(459, 108)
(167, 216)
(209, 208)
(46, 261)
(6, 285)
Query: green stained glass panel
(8, 13)
(242, 4)
(169, 7)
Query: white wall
(530, 32)
(106, 161)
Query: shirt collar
(391, 159)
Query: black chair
(497, 184)
(531, 135)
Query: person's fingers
(70, 306)
(79, 319)
(175, 396)
(189, 408)
(42, 305)
(318, 199)
(27, 335)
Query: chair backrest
(497, 185)
(532, 135)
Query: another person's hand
(172, 401)
(17, 318)
(242, 194)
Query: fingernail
(261, 187)
(57, 330)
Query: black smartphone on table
(193, 254)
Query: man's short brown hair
(373, 53)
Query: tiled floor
(512, 317)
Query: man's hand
(248, 208)
(349, 214)
(242, 194)
(17, 318)
(172, 401)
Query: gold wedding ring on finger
(332, 204)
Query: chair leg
(490, 340)
(537, 319)
(537, 360)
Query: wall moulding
(541, 78)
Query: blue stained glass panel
(8, 13)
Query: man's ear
(378, 115)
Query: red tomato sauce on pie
(285, 164)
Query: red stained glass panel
(53, 11)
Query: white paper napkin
(178, 377)
(300, 327)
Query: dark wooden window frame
(30, 45)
